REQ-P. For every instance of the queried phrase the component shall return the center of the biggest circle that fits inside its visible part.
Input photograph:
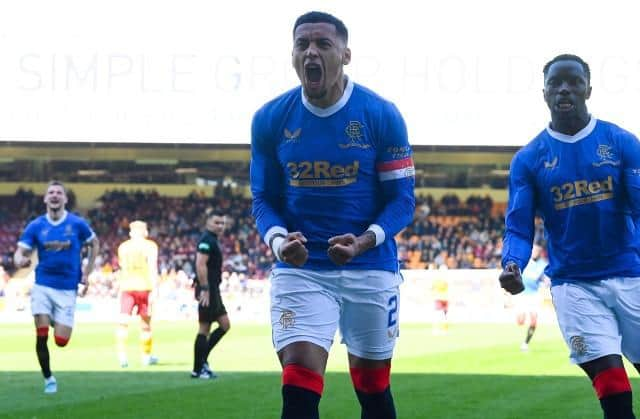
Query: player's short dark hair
(57, 183)
(568, 57)
(212, 212)
(322, 17)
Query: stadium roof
(146, 153)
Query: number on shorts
(393, 309)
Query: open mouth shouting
(313, 76)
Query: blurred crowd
(449, 231)
(459, 234)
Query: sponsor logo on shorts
(287, 319)
(578, 345)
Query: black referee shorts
(215, 308)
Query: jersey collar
(584, 132)
(325, 112)
(59, 221)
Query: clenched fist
(511, 280)
(293, 250)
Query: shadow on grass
(243, 395)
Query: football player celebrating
(332, 183)
(582, 175)
(58, 236)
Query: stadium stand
(460, 234)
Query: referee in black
(210, 306)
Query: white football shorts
(59, 305)
(309, 306)
(599, 318)
(528, 303)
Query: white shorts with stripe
(599, 318)
(309, 306)
(59, 305)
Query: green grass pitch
(476, 371)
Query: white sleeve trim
(274, 230)
(24, 245)
(93, 236)
(277, 242)
(379, 232)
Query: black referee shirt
(208, 245)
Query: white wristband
(275, 247)
(379, 232)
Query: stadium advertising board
(461, 72)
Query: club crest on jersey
(287, 319)
(606, 155)
(68, 230)
(291, 137)
(356, 137)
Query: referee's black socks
(200, 350)
(214, 338)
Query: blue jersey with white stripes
(59, 246)
(587, 189)
(331, 171)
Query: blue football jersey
(331, 171)
(587, 189)
(59, 246)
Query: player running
(529, 301)
(440, 291)
(58, 237)
(138, 260)
(582, 175)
